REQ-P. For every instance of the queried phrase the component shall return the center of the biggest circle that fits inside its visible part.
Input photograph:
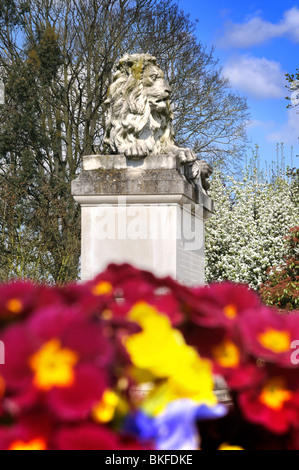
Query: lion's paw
(186, 155)
(136, 151)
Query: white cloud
(257, 30)
(258, 77)
(287, 132)
(290, 24)
(256, 123)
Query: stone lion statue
(139, 116)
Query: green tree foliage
(56, 59)
(253, 215)
(40, 231)
(281, 289)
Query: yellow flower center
(14, 306)
(275, 340)
(228, 447)
(102, 288)
(53, 366)
(104, 412)
(275, 394)
(36, 444)
(227, 354)
(230, 311)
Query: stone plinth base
(144, 213)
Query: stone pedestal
(145, 213)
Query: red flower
(40, 432)
(59, 358)
(269, 336)
(20, 299)
(274, 402)
(92, 437)
(220, 305)
(293, 443)
(32, 432)
(112, 294)
(89, 298)
(87, 437)
(226, 351)
(17, 299)
(67, 368)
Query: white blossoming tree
(246, 235)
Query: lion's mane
(130, 119)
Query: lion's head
(139, 116)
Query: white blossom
(246, 235)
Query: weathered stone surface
(120, 162)
(145, 213)
(155, 175)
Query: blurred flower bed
(128, 361)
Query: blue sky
(257, 42)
